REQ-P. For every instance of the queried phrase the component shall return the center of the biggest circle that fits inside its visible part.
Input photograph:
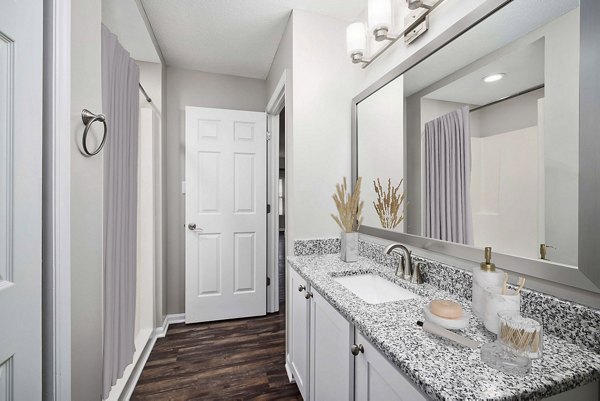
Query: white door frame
(56, 236)
(274, 107)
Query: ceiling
(524, 69)
(124, 19)
(235, 37)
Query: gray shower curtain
(120, 104)
(448, 178)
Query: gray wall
(194, 88)
(86, 206)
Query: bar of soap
(446, 309)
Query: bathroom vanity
(331, 359)
(344, 348)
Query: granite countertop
(442, 369)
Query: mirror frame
(587, 275)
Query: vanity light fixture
(379, 21)
(416, 4)
(493, 77)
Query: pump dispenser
(488, 266)
(485, 277)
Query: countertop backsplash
(573, 322)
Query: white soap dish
(450, 324)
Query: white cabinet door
(298, 304)
(225, 211)
(331, 364)
(376, 378)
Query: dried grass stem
(349, 206)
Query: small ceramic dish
(450, 324)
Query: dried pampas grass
(349, 207)
(388, 204)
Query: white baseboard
(158, 332)
(137, 370)
(169, 319)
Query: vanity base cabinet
(376, 378)
(331, 364)
(297, 330)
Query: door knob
(357, 349)
(192, 227)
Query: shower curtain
(447, 178)
(120, 104)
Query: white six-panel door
(21, 200)
(225, 214)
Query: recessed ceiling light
(493, 78)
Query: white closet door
(21, 200)
(225, 214)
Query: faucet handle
(408, 266)
(417, 277)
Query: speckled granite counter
(443, 371)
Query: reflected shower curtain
(120, 104)
(448, 178)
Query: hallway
(228, 360)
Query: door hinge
(268, 209)
(268, 127)
(268, 281)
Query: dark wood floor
(239, 359)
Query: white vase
(349, 247)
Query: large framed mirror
(492, 142)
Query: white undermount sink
(374, 289)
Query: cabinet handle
(308, 295)
(301, 288)
(357, 349)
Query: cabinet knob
(301, 288)
(357, 349)
(308, 295)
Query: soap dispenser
(487, 276)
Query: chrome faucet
(405, 262)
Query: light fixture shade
(356, 39)
(379, 14)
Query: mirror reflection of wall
(381, 145)
(490, 136)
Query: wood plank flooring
(240, 359)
